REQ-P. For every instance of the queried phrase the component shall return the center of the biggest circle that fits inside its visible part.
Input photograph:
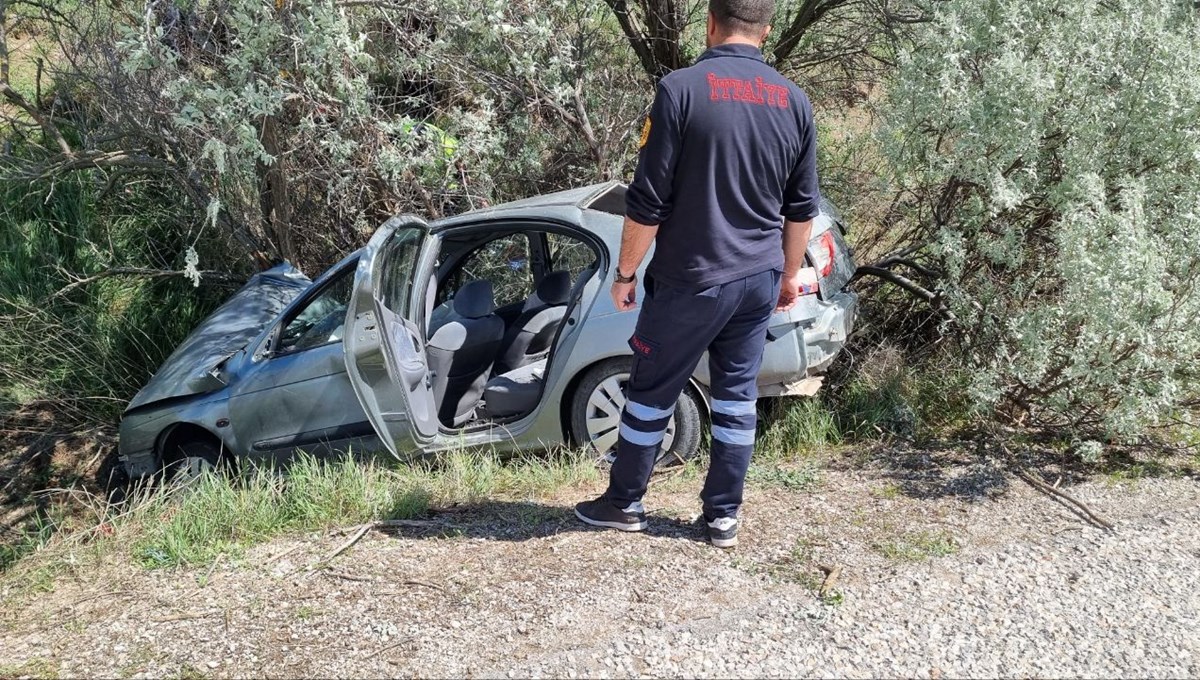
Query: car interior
(494, 308)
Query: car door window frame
(541, 228)
(455, 272)
(311, 295)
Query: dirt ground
(522, 589)
(37, 454)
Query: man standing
(728, 154)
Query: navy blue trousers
(674, 329)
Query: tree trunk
(653, 31)
(809, 13)
(273, 193)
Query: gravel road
(944, 574)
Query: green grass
(796, 427)
(194, 524)
(37, 667)
(882, 397)
(802, 477)
(190, 672)
(833, 598)
(890, 491)
(32, 539)
(85, 352)
(191, 525)
(918, 546)
(469, 476)
(1131, 473)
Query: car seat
(516, 392)
(529, 336)
(462, 351)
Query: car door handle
(409, 361)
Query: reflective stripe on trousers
(674, 330)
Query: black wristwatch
(621, 278)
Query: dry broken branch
(831, 578)
(362, 531)
(1058, 493)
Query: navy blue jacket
(729, 150)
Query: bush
(881, 395)
(85, 351)
(1052, 151)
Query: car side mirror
(267, 350)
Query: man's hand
(795, 244)
(624, 295)
(790, 289)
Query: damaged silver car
(492, 328)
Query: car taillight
(822, 255)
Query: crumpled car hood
(189, 369)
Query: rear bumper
(828, 334)
(804, 341)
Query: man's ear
(765, 33)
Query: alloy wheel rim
(191, 469)
(603, 417)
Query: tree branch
(139, 271)
(933, 298)
(809, 13)
(636, 37)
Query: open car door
(384, 347)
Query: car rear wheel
(596, 409)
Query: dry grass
(192, 524)
(25, 49)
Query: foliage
(1051, 161)
(294, 128)
(831, 47)
(87, 349)
(211, 137)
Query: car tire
(192, 460)
(596, 406)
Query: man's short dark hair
(742, 16)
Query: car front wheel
(596, 409)
(190, 461)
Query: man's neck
(736, 40)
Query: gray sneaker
(722, 532)
(602, 513)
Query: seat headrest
(555, 288)
(475, 300)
